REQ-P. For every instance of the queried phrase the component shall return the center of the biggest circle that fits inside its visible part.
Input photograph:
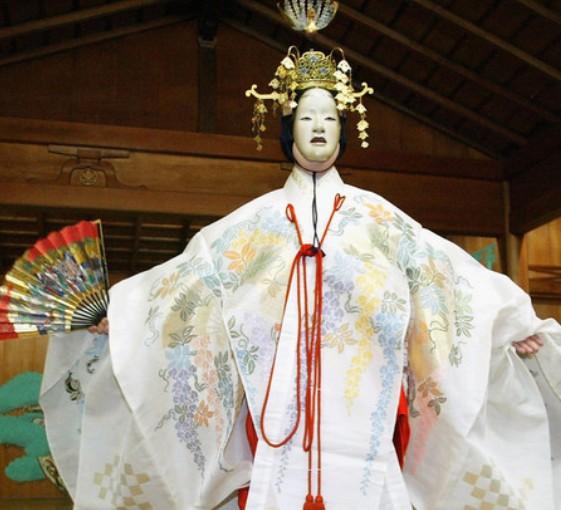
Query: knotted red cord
(312, 334)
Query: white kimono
(159, 423)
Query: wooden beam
(545, 282)
(448, 205)
(90, 39)
(542, 10)
(396, 77)
(19, 130)
(112, 199)
(78, 16)
(491, 38)
(539, 148)
(240, 27)
(443, 61)
(535, 195)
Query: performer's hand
(102, 328)
(529, 345)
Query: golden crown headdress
(297, 73)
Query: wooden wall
(540, 258)
(150, 79)
(543, 247)
(146, 79)
(175, 172)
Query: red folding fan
(59, 284)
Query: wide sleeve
(71, 365)
(163, 423)
(480, 430)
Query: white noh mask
(316, 128)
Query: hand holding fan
(59, 284)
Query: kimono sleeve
(480, 429)
(171, 359)
(71, 365)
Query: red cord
(312, 345)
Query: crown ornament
(297, 73)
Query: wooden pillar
(514, 250)
(208, 24)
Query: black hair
(287, 138)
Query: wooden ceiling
(486, 72)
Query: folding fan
(59, 284)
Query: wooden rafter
(542, 10)
(75, 17)
(535, 194)
(539, 148)
(90, 39)
(491, 39)
(396, 77)
(443, 61)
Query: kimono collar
(299, 191)
(300, 184)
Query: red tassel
(310, 504)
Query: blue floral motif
(186, 400)
(287, 449)
(349, 216)
(291, 415)
(338, 291)
(272, 220)
(96, 351)
(204, 270)
(389, 328)
(179, 357)
(225, 388)
(433, 299)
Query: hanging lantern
(308, 15)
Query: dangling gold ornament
(312, 69)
